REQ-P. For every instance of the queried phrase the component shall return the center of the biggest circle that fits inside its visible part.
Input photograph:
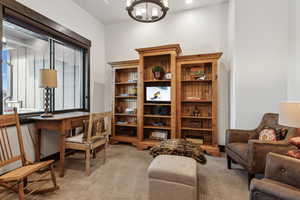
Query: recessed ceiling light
(189, 1)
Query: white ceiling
(113, 11)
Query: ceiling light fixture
(189, 1)
(147, 11)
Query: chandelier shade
(147, 11)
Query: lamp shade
(289, 114)
(48, 78)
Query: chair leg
(25, 182)
(21, 190)
(250, 177)
(104, 154)
(53, 177)
(94, 154)
(229, 161)
(88, 162)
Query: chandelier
(147, 11)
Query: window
(69, 65)
(24, 53)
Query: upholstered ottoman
(173, 178)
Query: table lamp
(48, 80)
(289, 114)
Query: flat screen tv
(158, 94)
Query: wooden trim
(1, 46)
(140, 100)
(170, 47)
(173, 95)
(123, 64)
(199, 57)
(18, 10)
(215, 103)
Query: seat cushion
(25, 171)
(277, 190)
(177, 169)
(76, 139)
(241, 149)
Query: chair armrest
(239, 136)
(273, 189)
(258, 151)
(283, 169)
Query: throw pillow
(295, 141)
(267, 134)
(294, 154)
(281, 133)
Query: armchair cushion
(241, 149)
(258, 151)
(283, 169)
(267, 189)
(240, 136)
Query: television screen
(158, 94)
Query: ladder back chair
(16, 180)
(95, 134)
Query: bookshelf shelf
(196, 129)
(125, 114)
(158, 116)
(194, 117)
(126, 125)
(157, 104)
(196, 81)
(126, 83)
(126, 97)
(157, 81)
(158, 127)
(196, 101)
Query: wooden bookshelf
(197, 99)
(192, 111)
(165, 57)
(125, 82)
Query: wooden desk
(62, 123)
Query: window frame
(31, 20)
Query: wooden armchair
(95, 135)
(17, 180)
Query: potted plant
(198, 74)
(158, 72)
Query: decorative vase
(158, 75)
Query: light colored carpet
(124, 177)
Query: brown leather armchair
(244, 148)
(281, 182)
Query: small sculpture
(196, 112)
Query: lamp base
(47, 115)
